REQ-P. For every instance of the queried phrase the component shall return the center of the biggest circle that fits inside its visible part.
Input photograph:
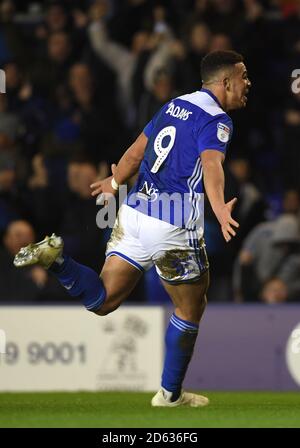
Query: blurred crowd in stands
(83, 78)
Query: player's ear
(226, 83)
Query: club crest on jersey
(223, 132)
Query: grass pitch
(133, 410)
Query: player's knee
(203, 301)
(103, 311)
(202, 305)
(106, 309)
(195, 313)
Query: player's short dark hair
(217, 60)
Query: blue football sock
(180, 339)
(80, 281)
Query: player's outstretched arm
(213, 173)
(127, 167)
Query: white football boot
(43, 253)
(185, 399)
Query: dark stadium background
(82, 80)
(78, 94)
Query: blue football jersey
(169, 185)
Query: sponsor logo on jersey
(148, 193)
(178, 112)
(223, 132)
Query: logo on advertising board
(122, 365)
(292, 354)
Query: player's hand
(104, 187)
(226, 220)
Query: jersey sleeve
(149, 128)
(216, 134)
(150, 125)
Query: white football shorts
(178, 254)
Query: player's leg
(189, 301)
(119, 278)
(103, 294)
(181, 262)
(125, 261)
(122, 269)
(79, 280)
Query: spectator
(10, 207)
(31, 283)
(161, 92)
(264, 254)
(251, 207)
(49, 72)
(197, 45)
(220, 42)
(117, 57)
(291, 203)
(97, 119)
(11, 38)
(291, 137)
(39, 197)
(290, 275)
(9, 123)
(79, 218)
(274, 291)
